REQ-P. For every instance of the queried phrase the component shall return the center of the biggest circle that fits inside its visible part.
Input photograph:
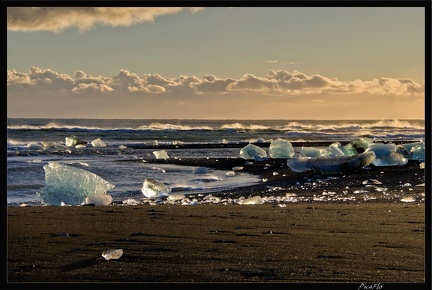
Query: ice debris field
(66, 185)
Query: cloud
(280, 83)
(56, 19)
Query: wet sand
(346, 241)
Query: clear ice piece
(281, 148)
(392, 159)
(72, 141)
(161, 154)
(254, 152)
(381, 149)
(70, 185)
(298, 164)
(112, 254)
(98, 143)
(153, 188)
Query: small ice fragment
(81, 146)
(408, 199)
(161, 154)
(121, 147)
(422, 165)
(275, 173)
(360, 191)
(112, 254)
(281, 148)
(153, 188)
(371, 181)
(175, 197)
(230, 173)
(383, 189)
(407, 184)
(98, 143)
(237, 168)
(130, 201)
(264, 180)
(99, 199)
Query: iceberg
(69, 185)
(153, 188)
(161, 154)
(326, 165)
(392, 159)
(98, 143)
(281, 148)
(254, 152)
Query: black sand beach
(358, 241)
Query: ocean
(130, 143)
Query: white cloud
(275, 83)
(56, 19)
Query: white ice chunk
(70, 185)
(392, 159)
(73, 141)
(122, 147)
(34, 146)
(254, 152)
(153, 188)
(298, 164)
(281, 148)
(161, 154)
(237, 168)
(99, 199)
(381, 149)
(252, 200)
(98, 143)
(326, 165)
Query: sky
(216, 62)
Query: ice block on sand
(70, 185)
